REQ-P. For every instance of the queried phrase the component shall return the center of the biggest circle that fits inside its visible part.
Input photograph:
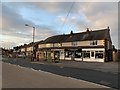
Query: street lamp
(33, 54)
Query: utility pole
(33, 49)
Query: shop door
(56, 55)
(92, 55)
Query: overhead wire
(67, 14)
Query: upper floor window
(23, 49)
(59, 44)
(29, 48)
(74, 43)
(48, 45)
(94, 42)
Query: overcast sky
(48, 18)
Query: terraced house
(27, 49)
(94, 46)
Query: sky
(49, 18)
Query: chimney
(87, 30)
(108, 28)
(71, 32)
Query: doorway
(56, 55)
(92, 55)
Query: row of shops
(92, 46)
(94, 55)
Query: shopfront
(73, 54)
(93, 55)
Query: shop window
(86, 54)
(62, 53)
(78, 54)
(68, 54)
(99, 54)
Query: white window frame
(93, 42)
(74, 43)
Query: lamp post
(33, 54)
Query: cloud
(7, 44)
(100, 15)
(50, 7)
(94, 15)
(13, 24)
(101, 12)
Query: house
(28, 50)
(93, 46)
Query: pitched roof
(31, 44)
(83, 36)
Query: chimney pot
(71, 32)
(108, 28)
(87, 29)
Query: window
(94, 42)
(68, 54)
(48, 45)
(86, 54)
(99, 54)
(59, 44)
(74, 43)
(92, 54)
(78, 54)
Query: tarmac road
(20, 77)
(103, 78)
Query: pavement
(19, 77)
(0, 74)
(100, 73)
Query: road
(20, 77)
(103, 78)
